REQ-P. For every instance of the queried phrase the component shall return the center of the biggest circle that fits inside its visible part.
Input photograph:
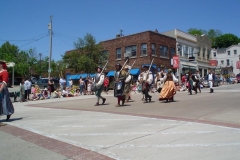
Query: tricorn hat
(118, 65)
(100, 67)
(145, 66)
(3, 64)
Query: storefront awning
(111, 73)
(153, 65)
(135, 71)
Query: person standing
(128, 83)
(51, 86)
(6, 106)
(169, 89)
(99, 79)
(29, 86)
(210, 78)
(70, 83)
(198, 80)
(147, 81)
(26, 88)
(22, 91)
(119, 79)
(62, 83)
(81, 85)
(191, 83)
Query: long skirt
(6, 106)
(168, 91)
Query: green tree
(87, 55)
(226, 40)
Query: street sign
(49, 70)
(191, 58)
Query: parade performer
(198, 80)
(158, 82)
(191, 83)
(119, 78)
(98, 85)
(6, 106)
(169, 89)
(210, 77)
(128, 83)
(147, 78)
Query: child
(77, 92)
(89, 88)
(22, 91)
(134, 88)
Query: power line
(63, 40)
(66, 36)
(30, 39)
(34, 40)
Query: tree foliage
(226, 40)
(211, 33)
(87, 55)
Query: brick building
(141, 47)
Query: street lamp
(178, 49)
(12, 64)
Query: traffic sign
(49, 70)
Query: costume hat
(3, 64)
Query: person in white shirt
(62, 83)
(211, 78)
(147, 77)
(98, 85)
(26, 83)
(29, 86)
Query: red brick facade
(148, 38)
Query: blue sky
(25, 22)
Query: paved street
(203, 126)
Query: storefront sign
(213, 62)
(238, 64)
(175, 62)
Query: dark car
(43, 82)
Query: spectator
(26, 88)
(62, 83)
(81, 85)
(70, 83)
(22, 91)
(50, 86)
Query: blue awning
(111, 73)
(135, 71)
(75, 76)
(153, 65)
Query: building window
(228, 64)
(172, 51)
(132, 51)
(228, 52)
(235, 51)
(105, 56)
(185, 50)
(204, 50)
(118, 53)
(214, 54)
(198, 51)
(144, 49)
(163, 51)
(208, 53)
(153, 49)
(222, 62)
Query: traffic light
(191, 58)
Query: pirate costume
(98, 85)
(147, 81)
(128, 83)
(119, 78)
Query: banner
(175, 62)
(213, 62)
(238, 64)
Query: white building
(226, 59)
(190, 45)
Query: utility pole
(50, 51)
(40, 54)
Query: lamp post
(178, 49)
(12, 64)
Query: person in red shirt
(106, 84)
(184, 82)
(6, 106)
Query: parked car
(43, 82)
(215, 83)
(238, 78)
(33, 79)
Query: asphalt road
(202, 126)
